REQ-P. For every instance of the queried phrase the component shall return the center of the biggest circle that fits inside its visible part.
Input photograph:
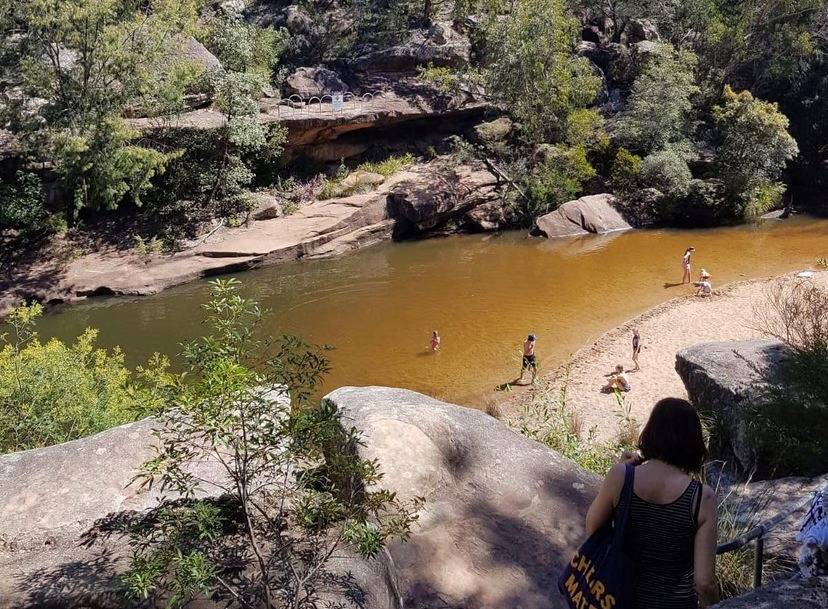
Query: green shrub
(22, 205)
(626, 172)
(548, 419)
(446, 80)
(294, 489)
(531, 66)
(788, 426)
(667, 172)
(558, 178)
(660, 109)
(389, 166)
(753, 146)
(585, 127)
(53, 392)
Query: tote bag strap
(622, 510)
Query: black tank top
(659, 541)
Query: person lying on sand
(618, 381)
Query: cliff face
(501, 516)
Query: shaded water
(484, 293)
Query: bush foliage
(53, 392)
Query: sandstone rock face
(359, 180)
(502, 513)
(438, 195)
(759, 501)
(420, 198)
(590, 214)
(314, 82)
(721, 380)
(50, 498)
(267, 207)
(809, 593)
(642, 29)
(501, 516)
(193, 50)
(441, 46)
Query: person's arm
(601, 509)
(705, 550)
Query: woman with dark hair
(671, 526)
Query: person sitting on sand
(685, 264)
(618, 381)
(636, 348)
(529, 357)
(435, 340)
(704, 276)
(705, 288)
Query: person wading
(670, 535)
(685, 264)
(529, 361)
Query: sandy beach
(678, 323)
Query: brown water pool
(483, 293)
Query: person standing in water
(636, 348)
(435, 341)
(529, 357)
(685, 263)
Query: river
(483, 293)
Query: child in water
(435, 340)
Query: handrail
(758, 533)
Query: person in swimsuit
(435, 340)
(529, 361)
(636, 348)
(670, 536)
(685, 264)
(618, 381)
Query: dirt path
(665, 329)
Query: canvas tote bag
(598, 576)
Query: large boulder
(490, 132)
(811, 593)
(723, 380)
(431, 196)
(440, 46)
(192, 50)
(314, 82)
(52, 501)
(590, 214)
(502, 514)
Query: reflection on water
(483, 293)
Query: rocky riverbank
(425, 198)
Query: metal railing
(758, 533)
(329, 102)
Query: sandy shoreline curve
(665, 329)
